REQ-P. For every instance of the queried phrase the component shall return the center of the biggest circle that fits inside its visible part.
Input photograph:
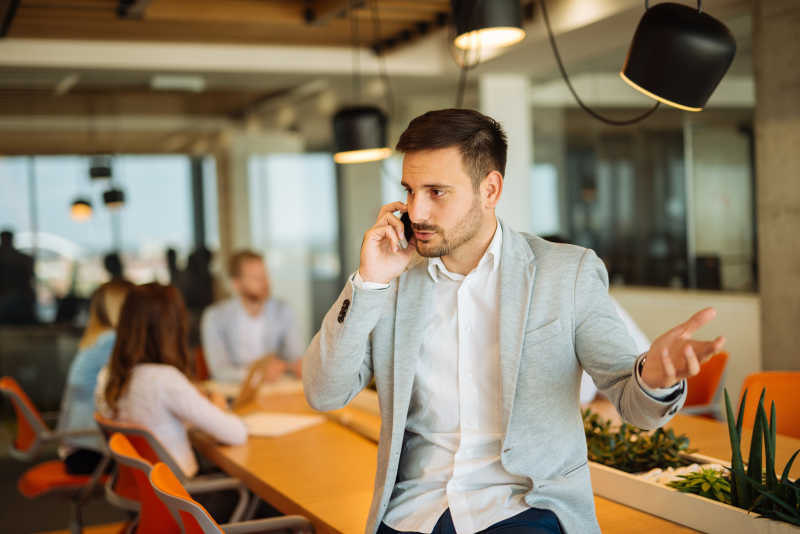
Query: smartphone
(407, 226)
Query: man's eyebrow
(429, 186)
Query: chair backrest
(782, 387)
(703, 387)
(146, 444)
(154, 517)
(195, 518)
(30, 425)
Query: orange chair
(704, 390)
(121, 488)
(154, 518)
(195, 518)
(782, 388)
(51, 477)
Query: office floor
(19, 515)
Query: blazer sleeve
(608, 353)
(338, 363)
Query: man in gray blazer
(476, 336)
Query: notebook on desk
(269, 424)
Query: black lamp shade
(81, 209)
(100, 168)
(360, 135)
(679, 55)
(487, 23)
(114, 198)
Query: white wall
(738, 319)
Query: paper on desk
(264, 424)
(284, 385)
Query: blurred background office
(149, 140)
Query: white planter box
(687, 509)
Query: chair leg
(251, 508)
(241, 506)
(76, 521)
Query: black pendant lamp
(81, 209)
(114, 198)
(359, 131)
(360, 135)
(678, 55)
(487, 23)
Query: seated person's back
(82, 454)
(146, 380)
(250, 326)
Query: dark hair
(238, 258)
(152, 329)
(480, 139)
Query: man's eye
(437, 192)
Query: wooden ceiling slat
(214, 21)
(227, 11)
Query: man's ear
(492, 189)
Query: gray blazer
(556, 318)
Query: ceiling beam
(126, 55)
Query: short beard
(464, 230)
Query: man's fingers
(391, 208)
(397, 224)
(669, 368)
(706, 349)
(697, 320)
(692, 365)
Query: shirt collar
(436, 265)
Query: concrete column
(776, 61)
(505, 97)
(359, 203)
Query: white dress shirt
(454, 431)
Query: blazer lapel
(517, 272)
(414, 299)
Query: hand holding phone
(387, 248)
(409, 232)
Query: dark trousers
(531, 521)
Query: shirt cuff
(659, 394)
(361, 284)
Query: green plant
(631, 449)
(708, 483)
(757, 488)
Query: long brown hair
(104, 310)
(152, 329)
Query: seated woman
(82, 454)
(146, 380)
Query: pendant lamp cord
(376, 28)
(587, 109)
(356, 52)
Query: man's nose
(418, 211)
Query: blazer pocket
(542, 333)
(572, 470)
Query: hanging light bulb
(482, 24)
(360, 135)
(114, 198)
(678, 55)
(81, 209)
